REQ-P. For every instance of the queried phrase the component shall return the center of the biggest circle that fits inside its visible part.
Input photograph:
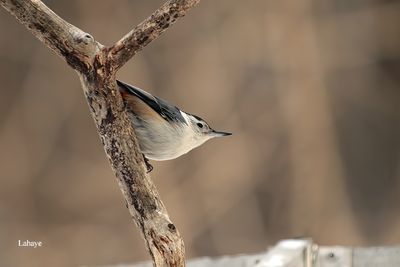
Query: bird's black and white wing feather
(167, 111)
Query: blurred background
(310, 89)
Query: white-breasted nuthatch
(163, 131)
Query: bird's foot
(148, 165)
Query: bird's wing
(167, 111)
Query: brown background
(310, 89)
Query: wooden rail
(303, 253)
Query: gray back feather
(167, 111)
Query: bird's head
(201, 130)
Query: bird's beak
(214, 133)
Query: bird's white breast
(160, 140)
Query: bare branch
(148, 30)
(142, 199)
(96, 66)
(68, 41)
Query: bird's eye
(200, 125)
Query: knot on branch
(84, 38)
(84, 44)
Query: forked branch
(96, 66)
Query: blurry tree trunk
(96, 66)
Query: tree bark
(96, 66)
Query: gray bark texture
(96, 66)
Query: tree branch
(68, 41)
(96, 67)
(148, 30)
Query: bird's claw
(148, 165)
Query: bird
(163, 131)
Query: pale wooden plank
(225, 261)
(376, 257)
(303, 253)
(287, 253)
(334, 257)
